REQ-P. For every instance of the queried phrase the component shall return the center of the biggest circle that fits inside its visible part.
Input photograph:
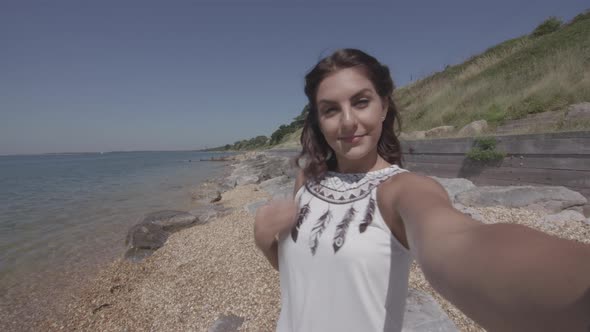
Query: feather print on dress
(303, 212)
(318, 229)
(368, 215)
(342, 228)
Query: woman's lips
(352, 139)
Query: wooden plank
(556, 146)
(528, 161)
(540, 176)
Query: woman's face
(350, 113)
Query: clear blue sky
(165, 75)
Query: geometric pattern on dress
(343, 188)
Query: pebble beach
(214, 270)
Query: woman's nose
(348, 117)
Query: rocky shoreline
(204, 273)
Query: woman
(344, 247)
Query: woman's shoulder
(407, 181)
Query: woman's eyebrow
(356, 95)
(363, 91)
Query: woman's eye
(362, 103)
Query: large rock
(258, 168)
(454, 186)
(143, 239)
(423, 314)
(472, 212)
(152, 232)
(279, 187)
(439, 131)
(546, 198)
(171, 220)
(227, 323)
(474, 128)
(246, 179)
(421, 134)
(578, 113)
(563, 217)
(252, 207)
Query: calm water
(64, 212)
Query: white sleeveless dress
(341, 268)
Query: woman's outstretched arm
(506, 277)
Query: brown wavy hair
(316, 152)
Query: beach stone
(474, 128)
(423, 314)
(226, 323)
(578, 113)
(473, 213)
(146, 235)
(454, 186)
(420, 134)
(439, 131)
(252, 207)
(246, 179)
(207, 193)
(143, 239)
(551, 199)
(170, 220)
(279, 187)
(209, 212)
(563, 217)
(264, 166)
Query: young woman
(343, 248)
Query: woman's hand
(273, 220)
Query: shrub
(550, 25)
(484, 150)
(580, 17)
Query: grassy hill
(525, 75)
(546, 70)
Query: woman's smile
(352, 139)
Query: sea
(62, 216)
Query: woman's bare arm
(506, 277)
(266, 232)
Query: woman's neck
(369, 163)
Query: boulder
(577, 113)
(265, 166)
(226, 323)
(279, 187)
(246, 179)
(143, 239)
(473, 213)
(454, 186)
(563, 217)
(423, 314)
(170, 220)
(252, 207)
(547, 198)
(413, 135)
(474, 128)
(439, 131)
(209, 212)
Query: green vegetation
(283, 134)
(484, 150)
(544, 71)
(550, 25)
